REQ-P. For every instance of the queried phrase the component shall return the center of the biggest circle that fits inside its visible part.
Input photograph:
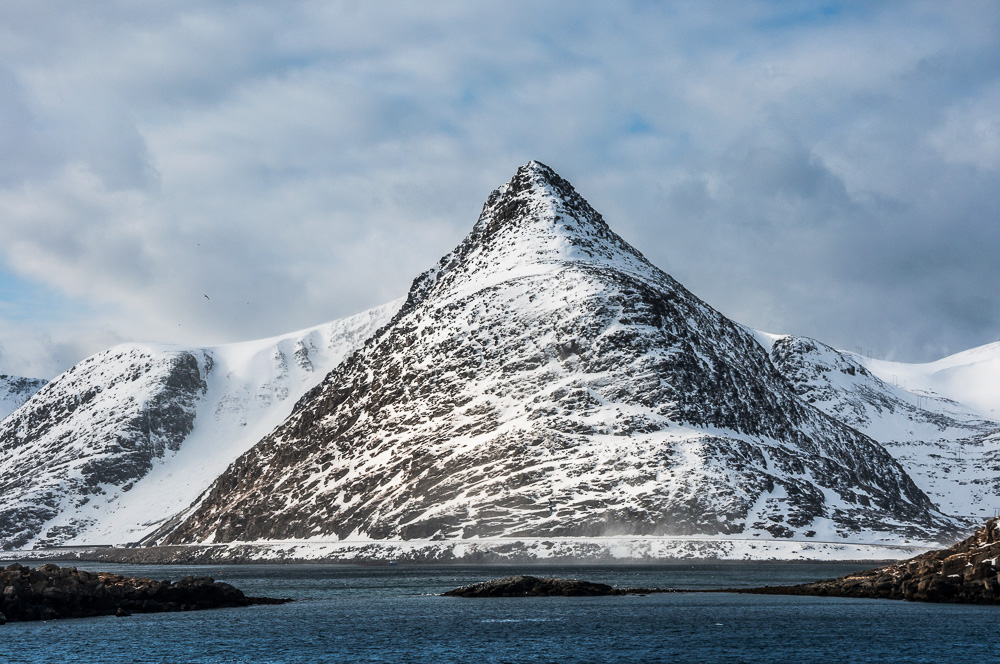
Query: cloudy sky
(829, 169)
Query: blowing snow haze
(824, 168)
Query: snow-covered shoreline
(626, 550)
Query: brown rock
(52, 592)
(963, 573)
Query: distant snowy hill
(545, 380)
(14, 391)
(940, 420)
(971, 378)
(110, 449)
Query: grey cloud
(824, 175)
(775, 164)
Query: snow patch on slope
(499, 550)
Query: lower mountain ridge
(545, 380)
(15, 390)
(950, 450)
(125, 439)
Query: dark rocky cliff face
(544, 379)
(97, 428)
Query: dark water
(392, 614)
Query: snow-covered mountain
(545, 380)
(15, 390)
(971, 378)
(542, 391)
(125, 439)
(940, 420)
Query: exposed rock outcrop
(966, 573)
(533, 586)
(51, 592)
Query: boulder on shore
(51, 592)
(965, 573)
(533, 586)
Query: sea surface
(393, 613)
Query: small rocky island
(966, 573)
(51, 592)
(533, 586)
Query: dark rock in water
(51, 592)
(533, 586)
(966, 573)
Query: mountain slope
(130, 436)
(544, 379)
(949, 449)
(15, 390)
(971, 378)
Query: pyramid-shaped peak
(538, 172)
(547, 215)
(533, 183)
(540, 207)
(535, 223)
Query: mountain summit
(535, 224)
(544, 379)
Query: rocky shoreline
(533, 586)
(51, 592)
(965, 573)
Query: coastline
(638, 550)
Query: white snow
(765, 339)
(551, 549)
(971, 378)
